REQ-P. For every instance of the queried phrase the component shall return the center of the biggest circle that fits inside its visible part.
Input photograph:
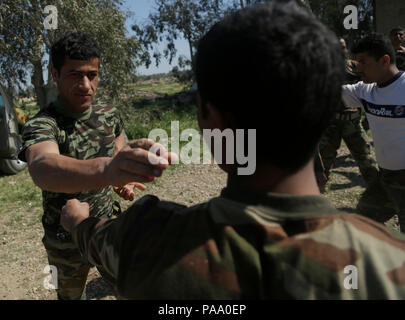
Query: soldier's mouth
(84, 96)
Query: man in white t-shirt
(382, 94)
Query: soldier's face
(343, 43)
(397, 38)
(369, 68)
(77, 83)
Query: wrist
(76, 222)
(103, 170)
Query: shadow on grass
(345, 161)
(98, 289)
(355, 180)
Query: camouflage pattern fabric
(354, 136)
(81, 136)
(72, 270)
(346, 126)
(245, 245)
(394, 184)
(375, 204)
(400, 57)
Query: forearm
(58, 173)
(97, 242)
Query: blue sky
(140, 10)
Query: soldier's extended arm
(100, 248)
(54, 172)
(351, 95)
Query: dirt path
(23, 258)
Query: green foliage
(174, 19)
(331, 13)
(18, 191)
(142, 115)
(24, 42)
(183, 76)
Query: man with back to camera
(270, 235)
(382, 94)
(76, 149)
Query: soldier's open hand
(139, 161)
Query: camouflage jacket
(400, 57)
(81, 136)
(244, 245)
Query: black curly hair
(76, 45)
(277, 69)
(375, 45)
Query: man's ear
(221, 120)
(386, 60)
(55, 74)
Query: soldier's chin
(84, 105)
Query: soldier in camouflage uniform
(397, 37)
(69, 147)
(346, 126)
(271, 234)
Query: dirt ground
(23, 258)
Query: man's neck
(391, 73)
(271, 179)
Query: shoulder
(46, 121)
(45, 116)
(360, 237)
(102, 108)
(151, 207)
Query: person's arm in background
(352, 95)
(54, 172)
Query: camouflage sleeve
(100, 246)
(104, 246)
(37, 130)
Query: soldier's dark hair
(375, 45)
(76, 45)
(276, 69)
(396, 29)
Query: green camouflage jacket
(244, 245)
(81, 136)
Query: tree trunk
(190, 44)
(51, 88)
(374, 16)
(37, 81)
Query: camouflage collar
(68, 113)
(279, 205)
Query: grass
(18, 191)
(164, 87)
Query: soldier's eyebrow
(82, 72)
